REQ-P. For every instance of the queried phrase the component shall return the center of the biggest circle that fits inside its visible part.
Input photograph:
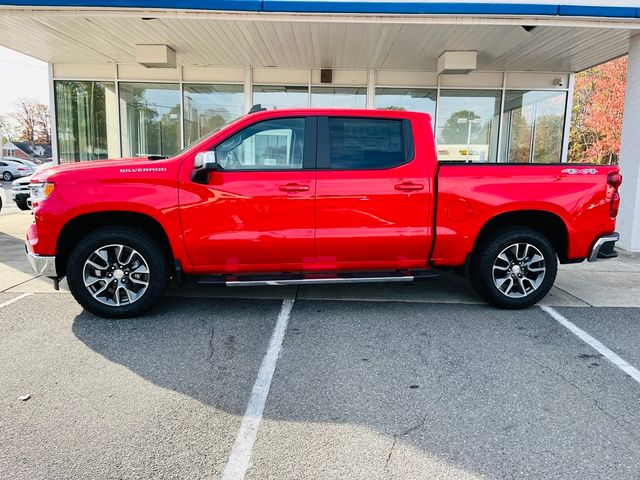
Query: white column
(112, 120)
(53, 118)
(248, 88)
(629, 218)
(567, 116)
(371, 88)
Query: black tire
(486, 255)
(22, 205)
(7, 176)
(148, 249)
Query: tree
(42, 123)
(596, 118)
(459, 126)
(7, 129)
(33, 121)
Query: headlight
(40, 191)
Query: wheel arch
(547, 223)
(82, 225)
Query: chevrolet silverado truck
(313, 196)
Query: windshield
(206, 135)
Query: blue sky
(21, 76)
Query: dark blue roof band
(406, 7)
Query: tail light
(614, 180)
(21, 169)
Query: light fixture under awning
(457, 62)
(156, 56)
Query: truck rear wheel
(514, 268)
(117, 272)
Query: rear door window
(366, 143)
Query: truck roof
(347, 112)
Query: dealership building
(143, 77)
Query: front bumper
(604, 249)
(19, 196)
(41, 264)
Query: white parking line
(613, 357)
(13, 300)
(238, 462)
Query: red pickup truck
(311, 197)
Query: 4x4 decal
(578, 171)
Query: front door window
(269, 145)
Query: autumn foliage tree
(32, 121)
(596, 118)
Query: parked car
(20, 191)
(10, 169)
(310, 196)
(26, 163)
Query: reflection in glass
(87, 123)
(467, 126)
(150, 118)
(208, 107)
(338, 97)
(411, 99)
(278, 97)
(533, 125)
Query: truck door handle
(294, 187)
(409, 186)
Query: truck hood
(95, 166)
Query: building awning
(542, 36)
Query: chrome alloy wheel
(518, 270)
(116, 275)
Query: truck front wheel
(117, 272)
(514, 268)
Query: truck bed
(471, 195)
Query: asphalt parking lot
(397, 381)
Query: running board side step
(257, 281)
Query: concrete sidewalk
(612, 283)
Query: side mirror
(206, 161)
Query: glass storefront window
(467, 125)
(150, 118)
(533, 124)
(87, 126)
(338, 97)
(410, 99)
(278, 97)
(207, 107)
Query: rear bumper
(604, 249)
(42, 264)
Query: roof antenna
(257, 108)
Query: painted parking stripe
(238, 462)
(13, 300)
(613, 357)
